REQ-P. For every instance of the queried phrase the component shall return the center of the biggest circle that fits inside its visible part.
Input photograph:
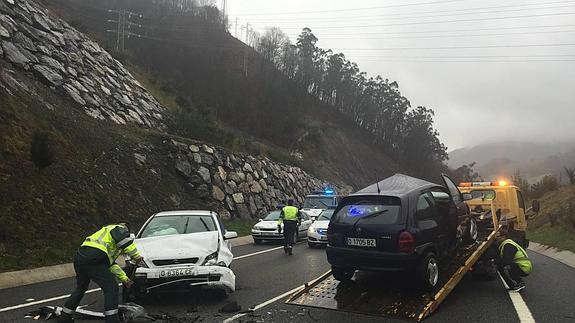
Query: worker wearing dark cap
(291, 220)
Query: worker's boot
(285, 250)
(290, 250)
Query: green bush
(42, 150)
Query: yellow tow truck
(503, 199)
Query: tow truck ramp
(389, 295)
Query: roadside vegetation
(555, 224)
(242, 226)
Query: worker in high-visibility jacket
(291, 219)
(95, 261)
(512, 261)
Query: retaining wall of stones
(69, 62)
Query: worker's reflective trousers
(97, 270)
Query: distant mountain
(503, 159)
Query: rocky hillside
(83, 143)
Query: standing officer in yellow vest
(290, 217)
(95, 261)
(512, 262)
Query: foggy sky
(474, 101)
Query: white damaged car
(183, 249)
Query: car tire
(471, 232)
(342, 274)
(258, 241)
(311, 244)
(428, 272)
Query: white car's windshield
(178, 224)
(318, 202)
(325, 215)
(272, 216)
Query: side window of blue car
(425, 207)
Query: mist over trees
(292, 76)
(373, 103)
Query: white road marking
(15, 307)
(266, 303)
(521, 308)
(273, 300)
(257, 253)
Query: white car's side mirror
(230, 235)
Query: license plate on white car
(176, 273)
(361, 242)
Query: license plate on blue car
(360, 242)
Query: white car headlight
(211, 259)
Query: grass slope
(558, 205)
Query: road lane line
(273, 300)
(15, 307)
(521, 308)
(266, 303)
(257, 253)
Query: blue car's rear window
(373, 210)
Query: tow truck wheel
(342, 274)
(471, 234)
(257, 241)
(428, 272)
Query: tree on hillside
(271, 44)
(547, 184)
(307, 51)
(570, 174)
(466, 173)
(522, 183)
(422, 150)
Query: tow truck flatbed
(390, 295)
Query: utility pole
(247, 27)
(124, 25)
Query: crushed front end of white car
(175, 259)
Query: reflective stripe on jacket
(520, 258)
(114, 240)
(289, 213)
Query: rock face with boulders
(241, 186)
(69, 62)
(46, 48)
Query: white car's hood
(178, 246)
(272, 224)
(321, 224)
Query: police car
(318, 201)
(317, 232)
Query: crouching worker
(512, 261)
(95, 261)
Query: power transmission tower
(124, 25)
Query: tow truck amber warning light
(474, 184)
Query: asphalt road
(262, 277)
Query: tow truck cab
(319, 201)
(503, 199)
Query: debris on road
(231, 307)
(128, 313)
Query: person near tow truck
(291, 219)
(512, 261)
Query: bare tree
(570, 174)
